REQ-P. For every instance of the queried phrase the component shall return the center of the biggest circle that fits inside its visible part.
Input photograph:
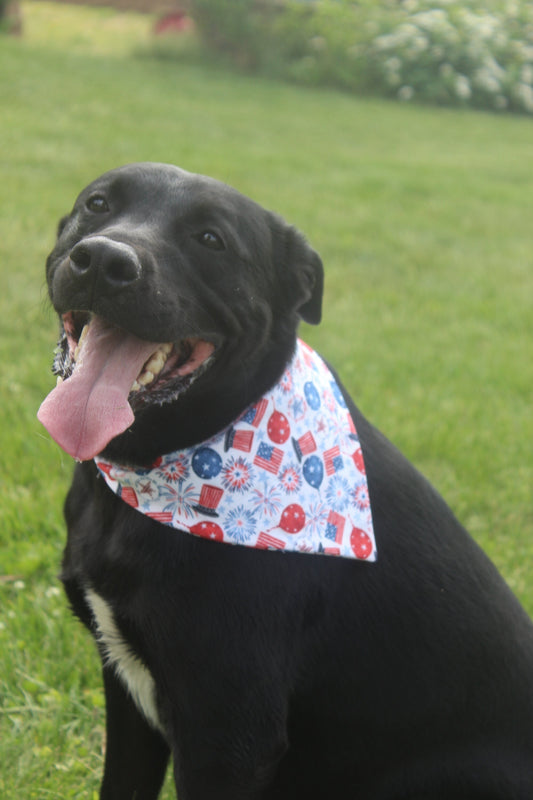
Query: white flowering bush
(452, 52)
(458, 53)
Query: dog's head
(179, 300)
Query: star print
(321, 425)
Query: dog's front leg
(136, 754)
(229, 752)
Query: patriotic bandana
(287, 475)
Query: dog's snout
(112, 264)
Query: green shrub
(235, 28)
(453, 54)
(10, 17)
(456, 54)
(311, 42)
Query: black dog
(264, 674)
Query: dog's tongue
(91, 407)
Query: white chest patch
(129, 668)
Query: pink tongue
(91, 407)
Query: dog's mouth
(167, 372)
(106, 373)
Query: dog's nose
(113, 264)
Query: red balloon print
(208, 530)
(278, 427)
(358, 461)
(292, 519)
(360, 543)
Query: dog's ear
(61, 225)
(303, 267)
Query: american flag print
(254, 415)
(333, 460)
(269, 457)
(287, 475)
(335, 527)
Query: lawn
(423, 219)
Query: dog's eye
(210, 240)
(97, 204)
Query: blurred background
(398, 136)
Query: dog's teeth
(156, 363)
(146, 378)
(59, 380)
(158, 360)
(153, 367)
(83, 334)
(80, 341)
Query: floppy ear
(304, 267)
(61, 225)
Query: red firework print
(237, 475)
(361, 496)
(290, 479)
(176, 471)
(285, 383)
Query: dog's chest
(119, 655)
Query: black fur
(280, 676)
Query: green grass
(423, 220)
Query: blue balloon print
(313, 471)
(338, 394)
(206, 463)
(312, 396)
